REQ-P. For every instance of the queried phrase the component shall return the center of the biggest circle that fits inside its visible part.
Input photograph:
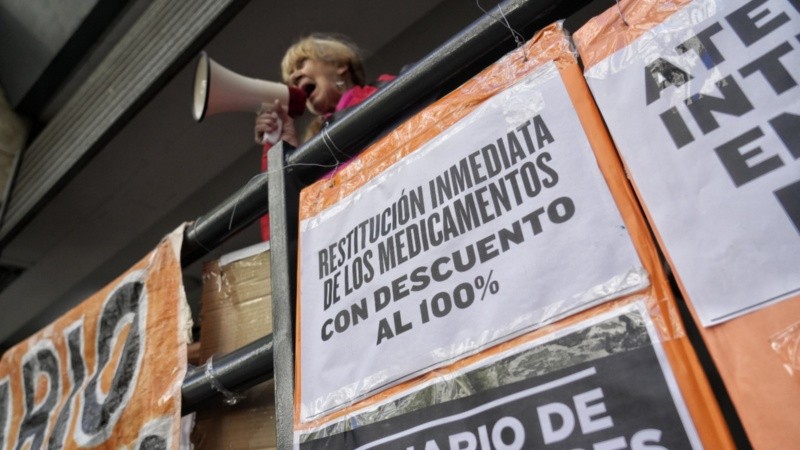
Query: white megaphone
(217, 89)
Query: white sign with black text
(705, 111)
(500, 224)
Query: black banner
(617, 401)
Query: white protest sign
(705, 111)
(500, 224)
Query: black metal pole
(231, 216)
(284, 199)
(234, 372)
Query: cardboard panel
(235, 310)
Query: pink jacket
(350, 98)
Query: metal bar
(283, 211)
(236, 371)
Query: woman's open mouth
(308, 88)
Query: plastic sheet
(787, 345)
(654, 78)
(549, 45)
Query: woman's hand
(274, 118)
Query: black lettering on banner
(771, 68)
(323, 263)
(360, 269)
(466, 213)
(331, 291)
(155, 435)
(153, 443)
(387, 256)
(77, 374)
(513, 235)
(385, 330)
(481, 165)
(787, 127)
(468, 198)
(751, 25)
(359, 272)
(733, 102)
(661, 74)
(491, 158)
(40, 360)
(591, 412)
(532, 218)
(676, 127)
(5, 412)
(741, 157)
(543, 135)
(737, 162)
(703, 46)
(438, 274)
(541, 164)
(126, 305)
(345, 318)
(561, 210)
(789, 198)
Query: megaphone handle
(264, 225)
(275, 136)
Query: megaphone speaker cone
(200, 88)
(218, 89)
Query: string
(197, 241)
(329, 144)
(622, 16)
(326, 138)
(230, 398)
(273, 171)
(518, 38)
(236, 202)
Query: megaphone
(217, 89)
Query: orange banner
(549, 46)
(108, 373)
(708, 42)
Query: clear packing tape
(787, 345)
(715, 50)
(654, 296)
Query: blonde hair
(333, 49)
